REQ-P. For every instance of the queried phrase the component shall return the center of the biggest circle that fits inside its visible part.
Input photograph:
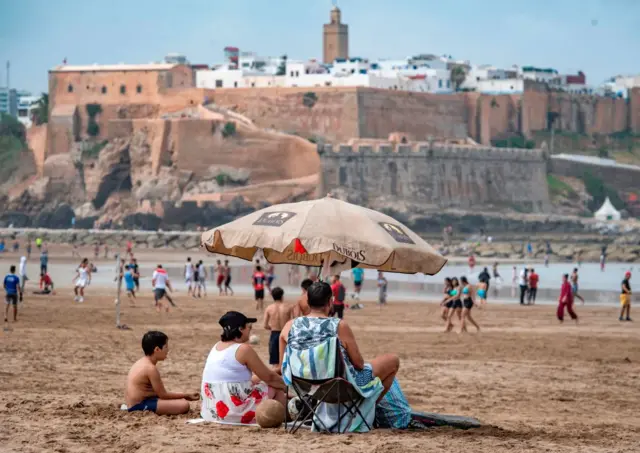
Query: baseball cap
(235, 319)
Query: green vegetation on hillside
(93, 151)
(12, 144)
(599, 191)
(514, 142)
(558, 187)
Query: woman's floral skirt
(232, 402)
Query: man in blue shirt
(358, 277)
(44, 261)
(12, 290)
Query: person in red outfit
(566, 300)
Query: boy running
(12, 290)
(275, 317)
(144, 389)
(130, 283)
(625, 298)
(258, 286)
(160, 282)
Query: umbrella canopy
(607, 211)
(326, 231)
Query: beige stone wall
(423, 115)
(37, 142)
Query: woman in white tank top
(230, 391)
(82, 279)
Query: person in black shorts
(275, 317)
(135, 270)
(467, 303)
(456, 303)
(446, 304)
(13, 293)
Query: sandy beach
(537, 386)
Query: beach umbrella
(328, 232)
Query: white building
(479, 73)
(500, 86)
(619, 86)
(546, 75)
(26, 106)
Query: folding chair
(336, 390)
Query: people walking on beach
(574, 285)
(357, 273)
(456, 304)
(259, 280)
(514, 281)
(202, 279)
(625, 298)
(161, 283)
(189, 272)
(13, 293)
(446, 303)
(603, 258)
(522, 282)
(227, 278)
(566, 300)
(23, 273)
(29, 249)
(82, 280)
(220, 276)
(467, 305)
(382, 288)
(533, 286)
(38, 243)
(529, 250)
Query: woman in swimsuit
(456, 304)
(482, 293)
(444, 304)
(467, 301)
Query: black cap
(235, 319)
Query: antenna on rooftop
(8, 74)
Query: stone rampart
(440, 176)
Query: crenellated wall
(436, 175)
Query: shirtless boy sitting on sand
(275, 317)
(145, 390)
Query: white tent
(607, 212)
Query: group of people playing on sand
(235, 380)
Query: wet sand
(537, 386)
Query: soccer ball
(270, 414)
(294, 406)
(254, 339)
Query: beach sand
(537, 386)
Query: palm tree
(282, 68)
(41, 112)
(458, 75)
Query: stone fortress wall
(438, 175)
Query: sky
(599, 37)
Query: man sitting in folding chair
(321, 362)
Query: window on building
(235, 84)
(123, 89)
(218, 83)
(103, 90)
(477, 79)
(440, 83)
(297, 73)
(328, 84)
(448, 83)
(253, 84)
(139, 89)
(22, 113)
(70, 88)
